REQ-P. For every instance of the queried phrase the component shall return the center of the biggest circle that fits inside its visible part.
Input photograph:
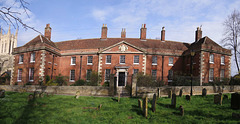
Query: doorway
(121, 79)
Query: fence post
(111, 85)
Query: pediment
(122, 47)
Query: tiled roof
(40, 39)
(100, 43)
(206, 40)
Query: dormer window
(32, 58)
(211, 60)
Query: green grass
(14, 108)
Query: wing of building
(160, 58)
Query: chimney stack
(123, 33)
(48, 30)
(163, 34)
(143, 31)
(104, 31)
(198, 34)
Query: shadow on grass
(115, 99)
(136, 109)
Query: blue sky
(74, 19)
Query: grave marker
(181, 111)
(159, 93)
(2, 93)
(188, 97)
(154, 101)
(170, 93)
(173, 102)
(77, 94)
(218, 98)
(145, 107)
(180, 92)
(140, 103)
(235, 101)
(204, 92)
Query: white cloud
(99, 14)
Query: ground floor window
(107, 74)
(72, 75)
(154, 74)
(170, 75)
(221, 74)
(89, 72)
(31, 74)
(211, 74)
(19, 77)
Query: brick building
(122, 57)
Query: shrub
(51, 83)
(61, 80)
(106, 84)
(94, 79)
(28, 83)
(146, 81)
(184, 81)
(79, 83)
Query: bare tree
(12, 17)
(231, 34)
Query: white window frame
(106, 74)
(32, 57)
(153, 63)
(70, 79)
(154, 76)
(211, 75)
(222, 73)
(72, 62)
(122, 58)
(19, 77)
(137, 59)
(108, 58)
(21, 59)
(170, 61)
(89, 75)
(88, 58)
(211, 58)
(31, 70)
(222, 60)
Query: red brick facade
(152, 56)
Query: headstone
(204, 92)
(218, 98)
(140, 103)
(111, 85)
(30, 98)
(180, 92)
(41, 95)
(159, 93)
(99, 107)
(235, 115)
(145, 107)
(173, 102)
(2, 93)
(77, 94)
(225, 97)
(235, 101)
(36, 94)
(188, 97)
(119, 96)
(170, 93)
(154, 101)
(181, 111)
(134, 85)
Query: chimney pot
(104, 32)
(163, 34)
(48, 31)
(143, 31)
(123, 33)
(198, 34)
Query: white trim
(124, 59)
(31, 57)
(106, 59)
(134, 59)
(30, 75)
(72, 60)
(70, 77)
(89, 63)
(18, 76)
(170, 64)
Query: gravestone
(159, 93)
(30, 98)
(77, 94)
(134, 85)
(235, 101)
(99, 107)
(181, 111)
(2, 93)
(170, 93)
(112, 90)
(180, 92)
(235, 115)
(154, 101)
(218, 98)
(140, 103)
(36, 94)
(225, 97)
(173, 102)
(145, 107)
(204, 92)
(119, 96)
(188, 97)
(41, 95)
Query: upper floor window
(32, 58)
(221, 74)
(90, 60)
(222, 60)
(72, 75)
(154, 60)
(211, 73)
(107, 74)
(89, 72)
(31, 74)
(19, 77)
(211, 58)
(21, 59)
(122, 59)
(108, 59)
(73, 61)
(170, 61)
(170, 75)
(136, 60)
(135, 71)
(154, 74)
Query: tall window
(89, 72)
(154, 74)
(21, 59)
(19, 77)
(90, 60)
(107, 74)
(122, 59)
(31, 74)
(72, 75)
(211, 74)
(154, 60)
(136, 60)
(222, 60)
(32, 58)
(211, 58)
(108, 59)
(135, 71)
(73, 61)
(170, 75)
(170, 61)
(221, 74)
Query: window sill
(170, 80)
(20, 63)
(32, 61)
(122, 63)
(19, 80)
(154, 64)
(89, 64)
(108, 63)
(222, 64)
(211, 62)
(170, 64)
(71, 80)
(72, 64)
(136, 63)
(31, 80)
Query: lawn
(14, 108)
